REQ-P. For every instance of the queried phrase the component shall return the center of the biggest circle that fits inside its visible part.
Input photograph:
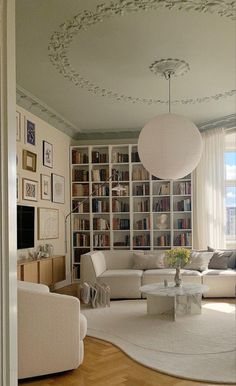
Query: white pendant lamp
(170, 145)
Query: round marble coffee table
(171, 301)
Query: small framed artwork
(17, 188)
(48, 223)
(30, 136)
(18, 126)
(29, 160)
(45, 187)
(47, 154)
(58, 188)
(29, 190)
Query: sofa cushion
(149, 260)
(220, 272)
(228, 254)
(199, 261)
(121, 272)
(123, 283)
(159, 275)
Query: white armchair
(51, 330)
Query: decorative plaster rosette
(61, 40)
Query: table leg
(161, 305)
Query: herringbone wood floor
(105, 365)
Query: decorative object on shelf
(177, 258)
(30, 190)
(30, 136)
(162, 221)
(169, 145)
(45, 187)
(18, 126)
(58, 188)
(48, 223)
(29, 160)
(47, 154)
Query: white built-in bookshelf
(150, 214)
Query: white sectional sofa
(115, 268)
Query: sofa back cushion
(199, 261)
(148, 260)
(99, 262)
(222, 260)
(118, 259)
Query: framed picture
(48, 223)
(29, 160)
(18, 126)
(47, 154)
(30, 137)
(17, 188)
(45, 187)
(58, 188)
(29, 190)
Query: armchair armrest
(48, 333)
(93, 264)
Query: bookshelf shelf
(152, 214)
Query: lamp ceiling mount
(166, 68)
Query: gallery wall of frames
(42, 160)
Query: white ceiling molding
(62, 38)
(28, 101)
(228, 122)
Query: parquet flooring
(106, 365)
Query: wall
(60, 143)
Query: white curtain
(209, 192)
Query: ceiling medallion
(61, 39)
(176, 67)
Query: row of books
(183, 223)
(120, 157)
(162, 205)
(79, 157)
(163, 240)
(120, 175)
(81, 224)
(183, 188)
(121, 224)
(119, 206)
(124, 243)
(100, 205)
(183, 205)
(100, 174)
(141, 190)
(144, 223)
(101, 240)
(98, 157)
(163, 189)
(81, 240)
(80, 189)
(139, 173)
(100, 224)
(100, 190)
(142, 206)
(80, 207)
(141, 240)
(135, 157)
(183, 239)
(80, 175)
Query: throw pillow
(148, 261)
(199, 261)
(221, 260)
(231, 258)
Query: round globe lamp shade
(170, 146)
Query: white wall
(61, 143)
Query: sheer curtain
(208, 193)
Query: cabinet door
(59, 269)
(45, 272)
(19, 276)
(30, 272)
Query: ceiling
(84, 65)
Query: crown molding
(227, 122)
(34, 105)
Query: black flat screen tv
(25, 226)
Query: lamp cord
(169, 79)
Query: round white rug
(198, 347)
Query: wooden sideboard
(48, 270)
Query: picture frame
(18, 126)
(47, 154)
(29, 190)
(58, 188)
(29, 160)
(45, 187)
(48, 223)
(30, 134)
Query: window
(230, 197)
